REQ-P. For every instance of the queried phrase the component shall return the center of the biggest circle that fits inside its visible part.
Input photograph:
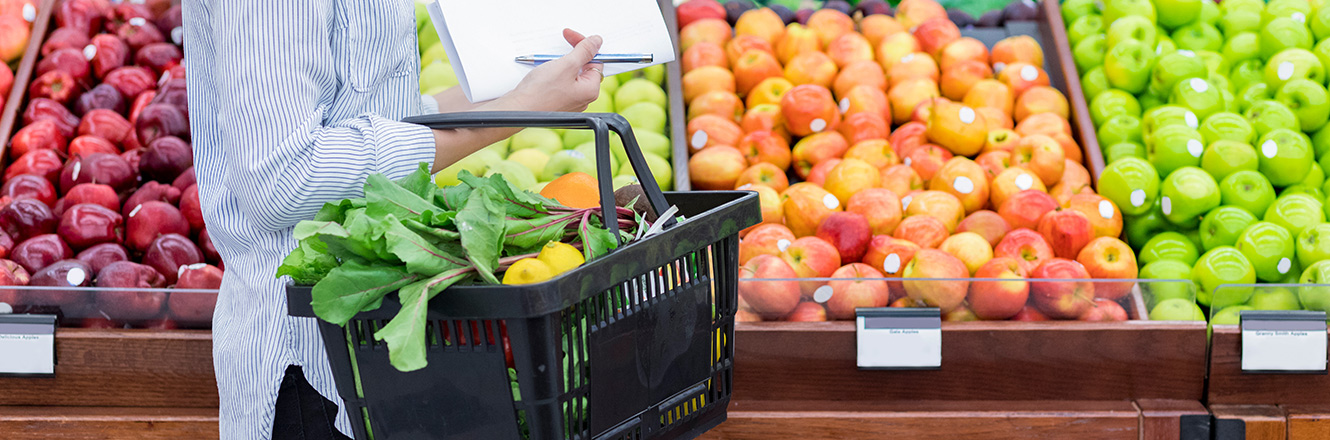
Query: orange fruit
(574, 190)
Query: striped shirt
(293, 104)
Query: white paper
(27, 354)
(1283, 350)
(483, 37)
(898, 348)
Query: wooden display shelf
(1173, 420)
(122, 368)
(108, 423)
(929, 420)
(1228, 385)
(1249, 422)
(1308, 422)
(1122, 361)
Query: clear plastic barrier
(1229, 300)
(115, 308)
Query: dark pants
(302, 413)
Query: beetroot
(151, 191)
(151, 220)
(94, 193)
(128, 304)
(26, 218)
(185, 180)
(209, 250)
(87, 224)
(102, 255)
(108, 169)
(36, 253)
(29, 186)
(165, 158)
(45, 163)
(191, 208)
(169, 252)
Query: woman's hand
(567, 84)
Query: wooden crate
(43, 423)
(1308, 422)
(1228, 385)
(1173, 420)
(1249, 422)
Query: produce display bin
(11, 114)
(1229, 385)
(97, 307)
(647, 328)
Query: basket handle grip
(601, 123)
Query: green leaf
(529, 235)
(308, 263)
(352, 288)
(453, 197)
(435, 233)
(388, 198)
(419, 182)
(596, 240)
(405, 333)
(481, 224)
(307, 229)
(336, 212)
(420, 255)
(516, 202)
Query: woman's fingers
(573, 37)
(582, 54)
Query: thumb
(582, 54)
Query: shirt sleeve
(283, 158)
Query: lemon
(561, 257)
(528, 271)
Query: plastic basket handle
(601, 123)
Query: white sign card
(1283, 342)
(899, 338)
(27, 345)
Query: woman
(293, 104)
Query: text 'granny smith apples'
(535, 156)
(1213, 122)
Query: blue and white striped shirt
(293, 104)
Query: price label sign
(1283, 342)
(899, 338)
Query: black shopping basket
(636, 344)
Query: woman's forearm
(453, 145)
(454, 100)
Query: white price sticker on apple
(1283, 342)
(898, 338)
(28, 344)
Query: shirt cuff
(402, 147)
(428, 105)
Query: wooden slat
(120, 368)
(1163, 419)
(925, 420)
(14, 103)
(1259, 422)
(1229, 386)
(980, 361)
(41, 423)
(1308, 422)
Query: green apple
(1131, 27)
(1227, 126)
(1187, 193)
(1322, 52)
(1308, 100)
(1210, 13)
(1168, 245)
(1175, 146)
(617, 155)
(639, 90)
(1113, 102)
(1198, 36)
(1087, 25)
(1174, 67)
(427, 36)
(531, 158)
(1285, 156)
(1269, 115)
(1128, 64)
(1214, 62)
(1246, 72)
(1315, 178)
(1241, 47)
(1274, 298)
(1122, 150)
(1166, 115)
(422, 15)
(1175, 13)
(609, 85)
(1317, 296)
(516, 173)
(624, 180)
(1231, 315)
(1248, 190)
(1164, 45)
(1295, 212)
(437, 77)
(1115, 9)
(1163, 290)
(645, 116)
(1089, 53)
(1321, 142)
(1313, 244)
(1230, 102)
(476, 164)
(1130, 183)
(1296, 10)
(1151, 100)
(1199, 96)
(652, 142)
(1291, 64)
(1320, 24)
(660, 170)
(1226, 157)
(1269, 248)
(1177, 309)
(1073, 10)
(1139, 229)
(1253, 93)
(1220, 266)
(1284, 33)
(655, 74)
(568, 161)
(1094, 82)
(1241, 18)
(573, 138)
(1315, 192)
(435, 53)
(1120, 129)
(542, 139)
(1223, 225)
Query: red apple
(849, 232)
(84, 15)
(1104, 310)
(131, 80)
(56, 85)
(94, 193)
(169, 252)
(150, 220)
(88, 224)
(71, 61)
(1066, 230)
(1062, 299)
(765, 239)
(38, 252)
(856, 285)
(807, 312)
(987, 224)
(43, 162)
(766, 284)
(26, 218)
(1025, 245)
(31, 187)
(130, 305)
(102, 255)
(64, 38)
(811, 257)
(1030, 313)
(109, 52)
(1025, 208)
(44, 108)
(999, 299)
(1108, 257)
(106, 124)
(41, 135)
(108, 169)
(948, 284)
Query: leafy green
(481, 225)
(353, 287)
(405, 333)
(308, 263)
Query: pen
(634, 58)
